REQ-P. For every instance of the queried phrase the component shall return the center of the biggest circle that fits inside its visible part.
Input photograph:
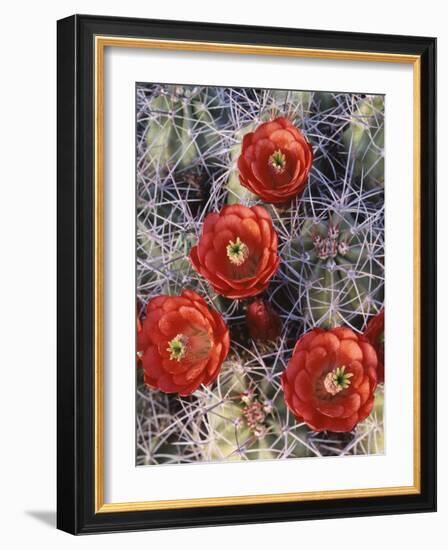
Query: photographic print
(259, 274)
(222, 252)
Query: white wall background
(27, 272)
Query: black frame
(75, 172)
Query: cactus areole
(341, 265)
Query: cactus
(364, 140)
(237, 194)
(247, 417)
(183, 127)
(338, 264)
(186, 168)
(157, 441)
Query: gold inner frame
(101, 42)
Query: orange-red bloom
(142, 342)
(275, 161)
(375, 335)
(263, 322)
(237, 251)
(330, 380)
(187, 343)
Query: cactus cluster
(331, 245)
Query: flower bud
(263, 322)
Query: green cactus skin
(333, 254)
(237, 193)
(294, 105)
(183, 128)
(364, 140)
(248, 420)
(158, 443)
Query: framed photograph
(246, 274)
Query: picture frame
(82, 209)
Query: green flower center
(278, 161)
(337, 380)
(237, 252)
(381, 339)
(177, 347)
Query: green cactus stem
(183, 128)
(364, 141)
(339, 265)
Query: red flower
(275, 161)
(263, 322)
(375, 335)
(330, 379)
(237, 251)
(142, 342)
(187, 343)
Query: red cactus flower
(330, 380)
(263, 322)
(187, 343)
(237, 251)
(142, 340)
(375, 335)
(275, 161)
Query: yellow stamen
(177, 347)
(278, 161)
(337, 380)
(237, 252)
